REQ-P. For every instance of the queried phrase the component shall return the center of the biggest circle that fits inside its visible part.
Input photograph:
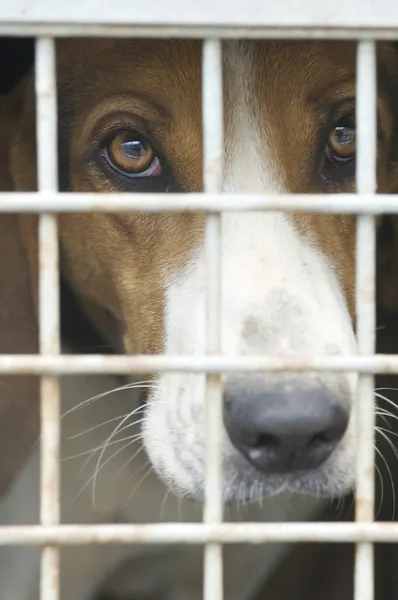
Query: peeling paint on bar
(182, 13)
(83, 202)
(92, 364)
(365, 295)
(200, 533)
(213, 144)
(60, 29)
(49, 325)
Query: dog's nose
(286, 428)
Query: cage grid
(213, 532)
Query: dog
(130, 120)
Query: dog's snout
(284, 428)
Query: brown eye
(132, 156)
(341, 144)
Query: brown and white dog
(130, 120)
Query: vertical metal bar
(47, 153)
(213, 141)
(365, 308)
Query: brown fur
(18, 395)
(117, 262)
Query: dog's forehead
(302, 65)
(100, 68)
(172, 68)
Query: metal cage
(361, 20)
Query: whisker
(128, 461)
(386, 413)
(390, 402)
(339, 507)
(76, 435)
(148, 472)
(390, 443)
(133, 424)
(130, 439)
(107, 461)
(114, 432)
(391, 480)
(348, 506)
(164, 503)
(381, 490)
(383, 417)
(118, 418)
(133, 439)
(102, 446)
(388, 431)
(135, 385)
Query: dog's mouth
(249, 490)
(244, 484)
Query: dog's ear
(19, 406)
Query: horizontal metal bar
(56, 29)
(199, 533)
(101, 364)
(69, 202)
(289, 13)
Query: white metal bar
(213, 142)
(366, 131)
(345, 13)
(92, 364)
(304, 32)
(200, 533)
(83, 202)
(47, 153)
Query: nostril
(250, 439)
(268, 441)
(319, 446)
(318, 441)
(259, 441)
(272, 443)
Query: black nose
(286, 428)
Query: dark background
(16, 55)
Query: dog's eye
(341, 144)
(131, 155)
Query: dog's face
(130, 120)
